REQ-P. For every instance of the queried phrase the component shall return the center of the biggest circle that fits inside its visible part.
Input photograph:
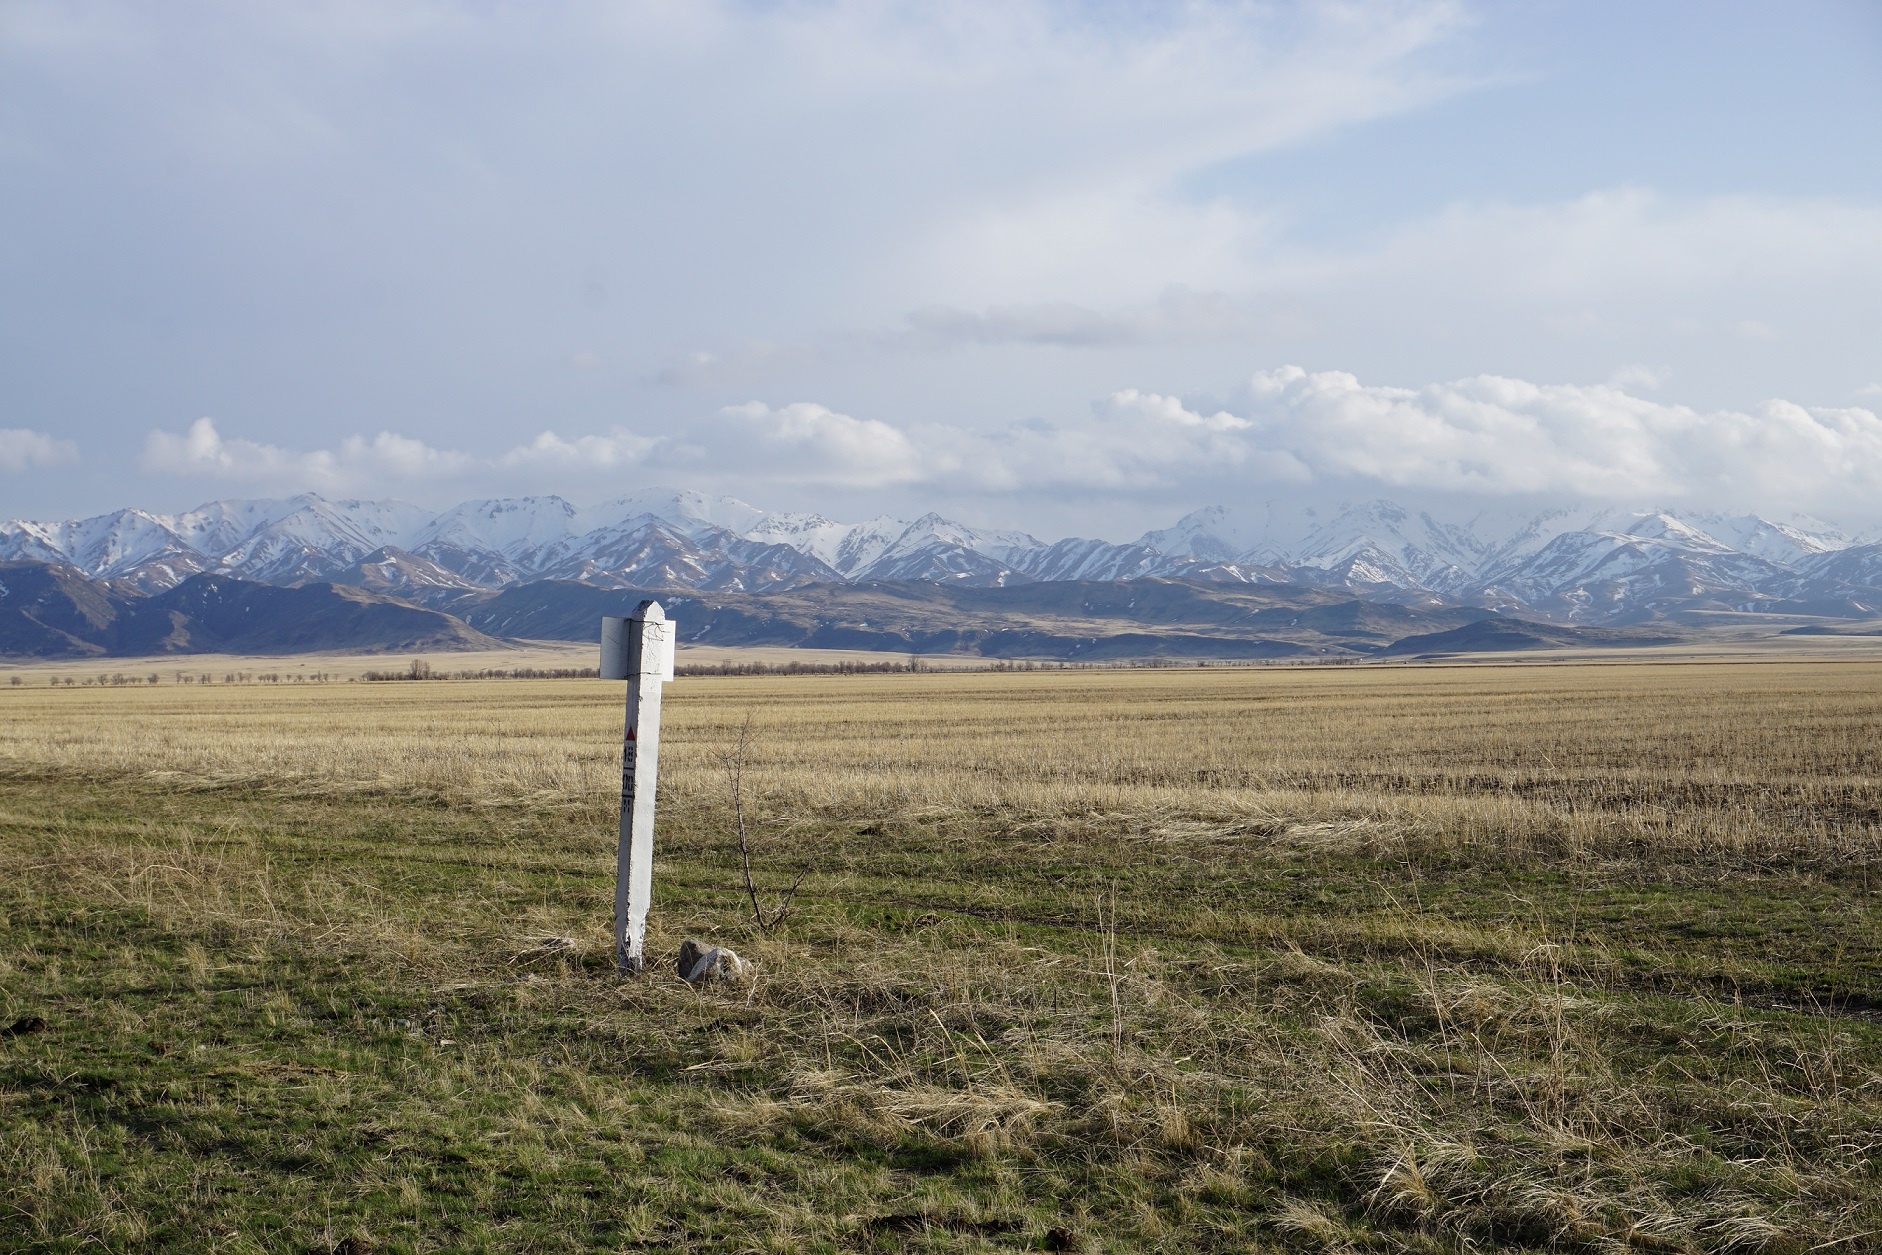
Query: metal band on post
(640, 651)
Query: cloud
(1180, 316)
(358, 462)
(1728, 292)
(1287, 431)
(928, 218)
(1290, 430)
(809, 443)
(797, 443)
(22, 449)
(618, 449)
(386, 461)
(1495, 436)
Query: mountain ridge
(53, 611)
(1591, 565)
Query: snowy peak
(1786, 541)
(864, 544)
(1383, 543)
(120, 545)
(811, 534)
(1665, 529)
(218, 527)
(933, 530)
(1215, 534)
(690, 510)
(1586, 563)
(507, 526)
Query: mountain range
(55, 611)
(1595, 566)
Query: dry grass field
(1578, 957)
(519, 655)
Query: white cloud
(22, 449)
(1496, 436)
(359, 462)
(1292, 429)
(795, 443)
(809, 443)
(1135, 444)
(399, 457)
(202, 451)
(364, 464)
(1287, 431)
(617, 450)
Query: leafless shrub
(733, 761)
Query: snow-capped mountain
(1591, 576)
(1594, 564)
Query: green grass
(279, 1022)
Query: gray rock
(699, 963)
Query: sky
(1078, 268)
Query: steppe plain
(1573, 956)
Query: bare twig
(1107, 930)
(733, 761)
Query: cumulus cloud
(364, 464)
(22, 449)
(1493, 436)
(358, 461)
(616, 450)
(797, 443)
(1285, 432)
(1291, 429)
(805, 442)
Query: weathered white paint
(640, 651)
(613, 647)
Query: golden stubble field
(1736, 754)
(1534, 958)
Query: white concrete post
(640, 651)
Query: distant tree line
(118, 678)
(421, 669)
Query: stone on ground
(699, 963)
